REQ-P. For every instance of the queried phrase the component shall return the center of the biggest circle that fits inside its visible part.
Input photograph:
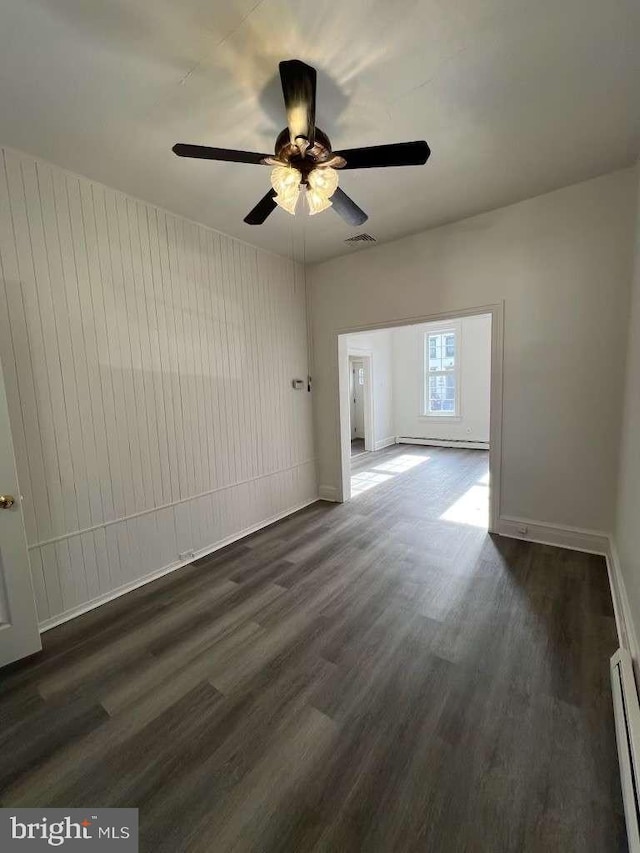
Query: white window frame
(456, 415)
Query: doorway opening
(358, 387)
(435, 414)
(360, 412)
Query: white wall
(627, 527)
(474, 355)
(148, 364)
(379, 345)
(560, 263)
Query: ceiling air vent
(359, 239)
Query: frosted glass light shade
(285, 180)
(325, 181)
(288, 200)
(317, 202)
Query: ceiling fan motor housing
(305, 161)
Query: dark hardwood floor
(376, 676)
(357, 446)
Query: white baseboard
(621, 607)
(385, 442)
(328, 493)
(47, 624)
(444, 442)
(574, 538)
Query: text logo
(33, 830)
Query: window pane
(442, 394)
(450, 346)
(361, 376)
(441, 351)
(435, 351)
(449, 351)
(440, 373)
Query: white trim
(328, 493)
(495, 414)
(385, 442)
(445, 442)
(627, 723)
(47, 624)
(560, 535)
(340, 367)
(124, 518)
(621, 607)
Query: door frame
(366, 357)
(19, 629)
(496, 311)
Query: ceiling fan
(303, 155)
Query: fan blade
(398, 154)
(203, 152)
(347, 208)
(299, 90)
(263, 208)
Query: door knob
(6, 501)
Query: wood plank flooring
(357, 446)
(365, 677)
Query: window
(450, 346)
(441, 373)
(361, 376)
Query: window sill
(447, 419)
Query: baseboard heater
(627, 717)
(468, 444)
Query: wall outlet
(187, 555)
(523, 529)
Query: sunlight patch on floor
(365, 480)
(400, 464)
(472, 508)
(381, 472)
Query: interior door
(358, 399)
(352, 398)
(19, 634)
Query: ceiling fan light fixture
(288, 200)
(303, 156)
(324, 181)
(285, 180)
(317, 201)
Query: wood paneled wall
(148, 363)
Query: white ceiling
(514, 97)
